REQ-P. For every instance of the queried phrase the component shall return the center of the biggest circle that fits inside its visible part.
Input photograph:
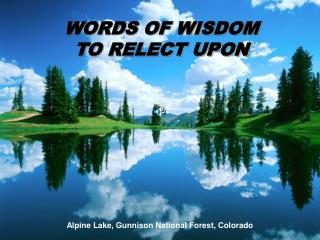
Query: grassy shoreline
(251, 124)
(246, 125)
(38, 124)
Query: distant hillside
(172, 120)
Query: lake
(149, 177)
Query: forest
(298, 99)
(298, 96)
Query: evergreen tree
(49, 95)
(97, 98)
(15, 103)
(217, 104)
(155, 118)
(20, 99)
(237, 96)
(119, 113)
(261, 99)
(87, 95)
(125, 109)
(315, 88)
(201, 114)
(208, 101)
(300, 77)
(247, 95)
(283, 103)
(107, 105)
(58, 104)
(233, 108)
(72, 113)
(81, 97)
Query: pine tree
(125, 108)
(315, 89)
(201, 114)
(97, 99)
(300, 77)
(72, 113)
(15, 103)
(81, 98)
(48, 96)
(233, 108)
(119, 113)
(20, 99)
(283, 106)
(217, 104)
(87, 95)
(247, 95)
(58, 104)
(261, 99)
(208, 101)
(106, 100)
(237, 96)
(155, 118)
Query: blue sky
(34, 36)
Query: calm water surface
(149, 176)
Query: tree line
(93, 100)
(226, 107)
(298, 94)
(60, 107)
(297, 167)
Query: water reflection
(227, 158)
(298, 160)
(249, 166)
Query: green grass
(247, 124)
(39, 124)
(266, 121)
(14, 114)
(253, 124)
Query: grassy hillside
(13, 115)
(264, 122)
(36, 124)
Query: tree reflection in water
(298, 160)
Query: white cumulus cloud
(283, 5)
(141, 94)
(108, 198)
(277, 59)
(264, 78)
(261, 50)
(11, 75)
(9, 165)
(215, 68)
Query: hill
(265, 122)
(25, 122)
(172, 120)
